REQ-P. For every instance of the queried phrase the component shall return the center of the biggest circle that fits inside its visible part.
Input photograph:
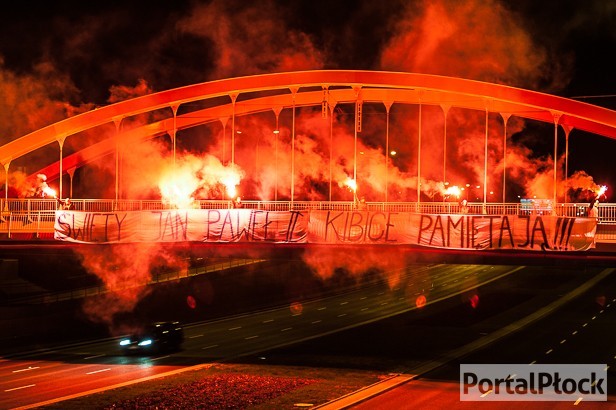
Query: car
(156, 337)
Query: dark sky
(97, 45)
(62, 58)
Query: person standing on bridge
(362, 204)
(41, 187)
(593, 210)
(464, 207)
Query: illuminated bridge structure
(225, 100)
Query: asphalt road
(578, 331)
(33, 378)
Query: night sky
(58, 59)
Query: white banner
(451, 231)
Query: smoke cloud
(475, 39)
(126, 272)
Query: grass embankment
(231, 386)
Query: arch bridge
(222, 102)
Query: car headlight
(146, 342)
(124, 342)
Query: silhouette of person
(463, 207)
(593, 210)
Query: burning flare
(351, 183)
(230, 180)
(602, 190)
(49, 192)
(453, 190)
(177, 188)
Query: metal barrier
(36, 216)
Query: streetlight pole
(118, 124)
(294, 93)
(233, 99)
(556, 116)
(445, 112)
(277, 111)
(223, 121)
(331, 145)
(388, 105)
(485, 165)
(505, 119)
(419, 154)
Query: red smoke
(475, 39)
(126, 272)
(356, 262)
(250, 39)
(480, 40)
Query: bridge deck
(36, 216)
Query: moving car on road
(155, 338)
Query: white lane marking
(209, 347)
(594, 317)
(363, 297)
(578, 401)
(296, 314)
(251, 337)
(195, 336)
(22, 387)
(585, 324)
(159, 358)
(285, 329)
(316, 321)
(343, 303)
(364, 309)
(100, 371)
(574, 333)
(384, 303)
(563, 341)
(601, 311)
(322, 308)
(27, 369)
(235, 328)
(93, 357)
(549, 351)
(486, 393)
(533, 362)
(342, 314)
(268, 321)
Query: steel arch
(307, 88)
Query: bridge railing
(36, 216)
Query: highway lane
(580, 331)
(33, 378)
